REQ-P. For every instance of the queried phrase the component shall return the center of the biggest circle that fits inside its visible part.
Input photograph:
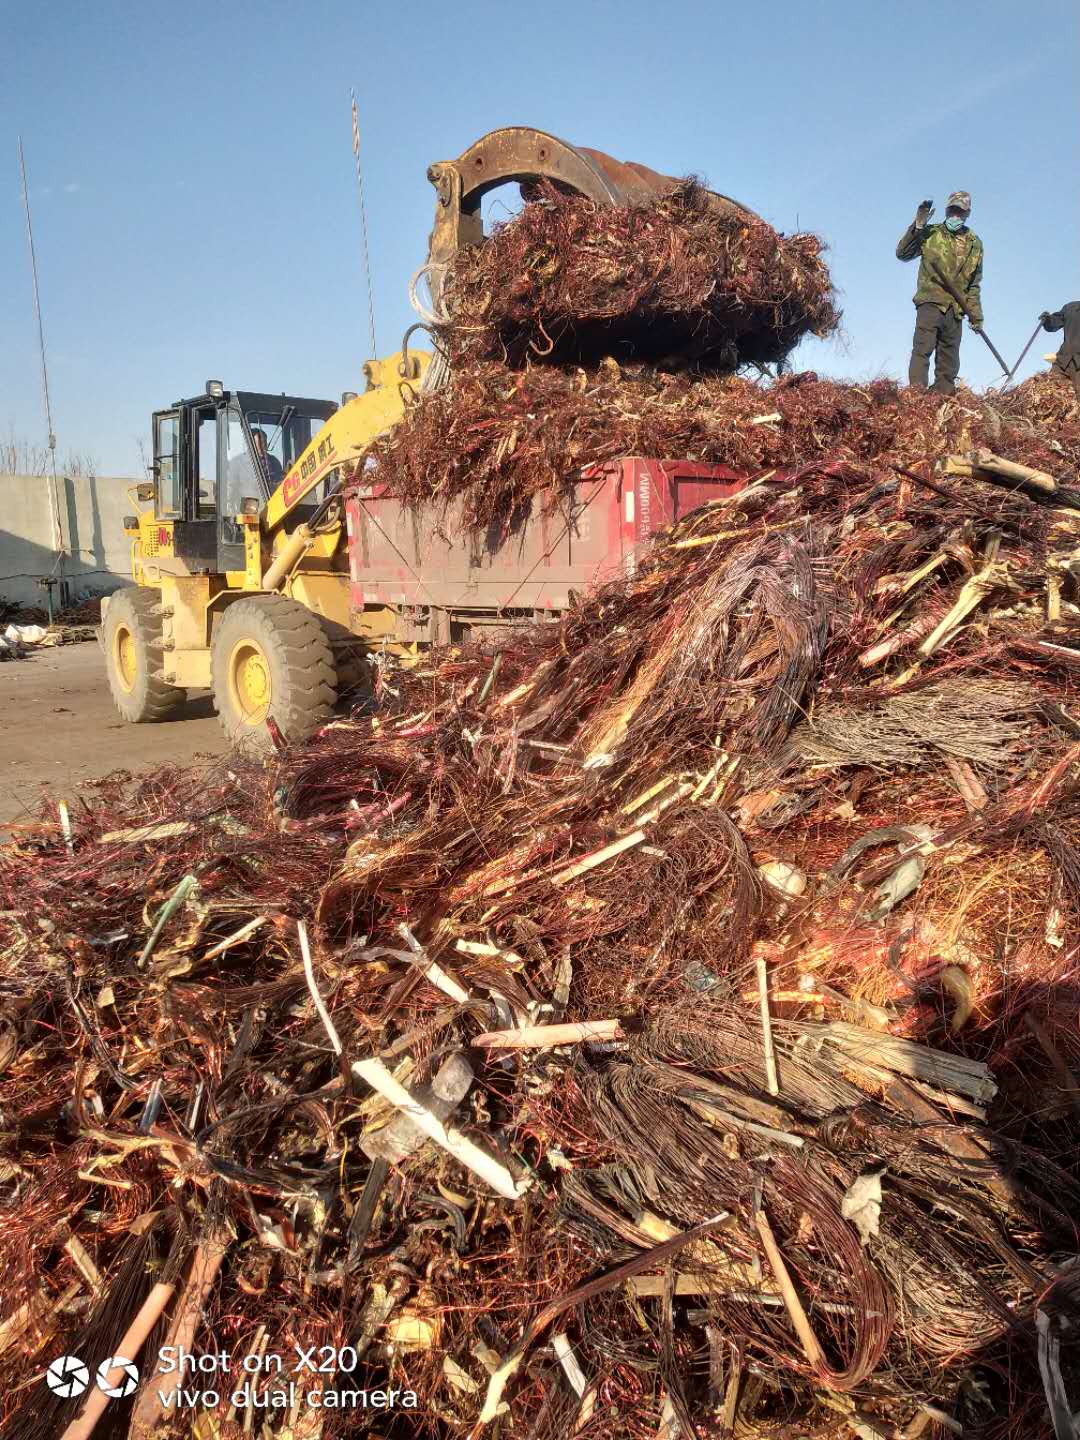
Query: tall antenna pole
(363, 222)
(58, 534)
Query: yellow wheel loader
(241, 562)
(240, 569)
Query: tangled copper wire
(759, 722)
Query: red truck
(427, 588)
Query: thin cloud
(897, 135)
(72, 187)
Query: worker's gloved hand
(922, 215)
(1044, 317)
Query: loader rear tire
(131, 637)
(271, 657)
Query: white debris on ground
(15, 640)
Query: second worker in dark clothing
(1068, 355)
(954, 254)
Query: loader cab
(214, 452)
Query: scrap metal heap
(493, 440)
(781, 835)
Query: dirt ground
(58, 728)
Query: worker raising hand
(950, 277)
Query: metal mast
(58, 534)
(363, 222)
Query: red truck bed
(440, 589)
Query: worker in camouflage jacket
(949, 253)
(1068, 355)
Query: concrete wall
(91, 520)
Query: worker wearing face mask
(951, 260)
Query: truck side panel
(401, 558)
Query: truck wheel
(271, 657)
(131, 637)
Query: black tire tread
(293, 637)
(159, 699)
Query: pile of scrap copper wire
(658, 1023)
(495, 442)
(684, 279)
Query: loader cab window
(288, 435)
(206, 441)
(240, 479)
(167, 466)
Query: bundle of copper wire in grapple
(656, 1023)
(679, 280)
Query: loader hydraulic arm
(349, 431)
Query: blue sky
(195, 209)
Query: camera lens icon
(67, 1377)
(117, 1377)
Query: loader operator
(271, 465)
(1068, 356)
(951, 260)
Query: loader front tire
(131, 637)
(271, 657)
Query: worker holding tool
(950, 274)
(1068, 356)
